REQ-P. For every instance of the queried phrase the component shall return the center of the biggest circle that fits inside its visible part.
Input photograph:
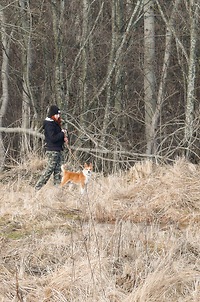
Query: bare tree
(185, 58)
(58, 9)
(194, 8)
(149, 74)
(153, 123)
(119, 74)
(84, 70)
(114, 89)
(27, 99)
(115, 54)
(5, 40)
(113, 49)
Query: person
(55, 137)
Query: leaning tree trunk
(5, 42)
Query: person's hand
(65, 136)
(64, 131)
(66, 140)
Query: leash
(68, 147)
(72, 155)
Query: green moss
(15, 235)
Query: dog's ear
(64, 167)
(91, 165)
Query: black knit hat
(53, 110)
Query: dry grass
(133, 238)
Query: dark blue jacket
(54, 137)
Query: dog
(82, 178)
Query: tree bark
(5, 40)
(27, 97)
(149, 74)
(106, 118)
(189, 110)
(83, 80)
(58, 9)
(119, 75)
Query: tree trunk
(149, 74)
(165, 66)
(114, 58)
(106, 119)
(189, 110)
(58, 9)
(83, 79)
(5, 41)
(27, 99)
(119, 75)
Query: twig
(18, 293)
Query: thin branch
(83, 46)
(171, 28)
(94, 151)
(137, 11)
(22, 130)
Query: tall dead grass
(133, 237)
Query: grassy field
(134, 237)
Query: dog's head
(64, 168)
(87, 169)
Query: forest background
(125, 74)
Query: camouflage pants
(53, 167)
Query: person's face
(57, 116)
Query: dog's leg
(70, 186)
(64, 181)
(82, 189)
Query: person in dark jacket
(55, 137)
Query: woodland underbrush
(134, 237)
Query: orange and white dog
(81, 178)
